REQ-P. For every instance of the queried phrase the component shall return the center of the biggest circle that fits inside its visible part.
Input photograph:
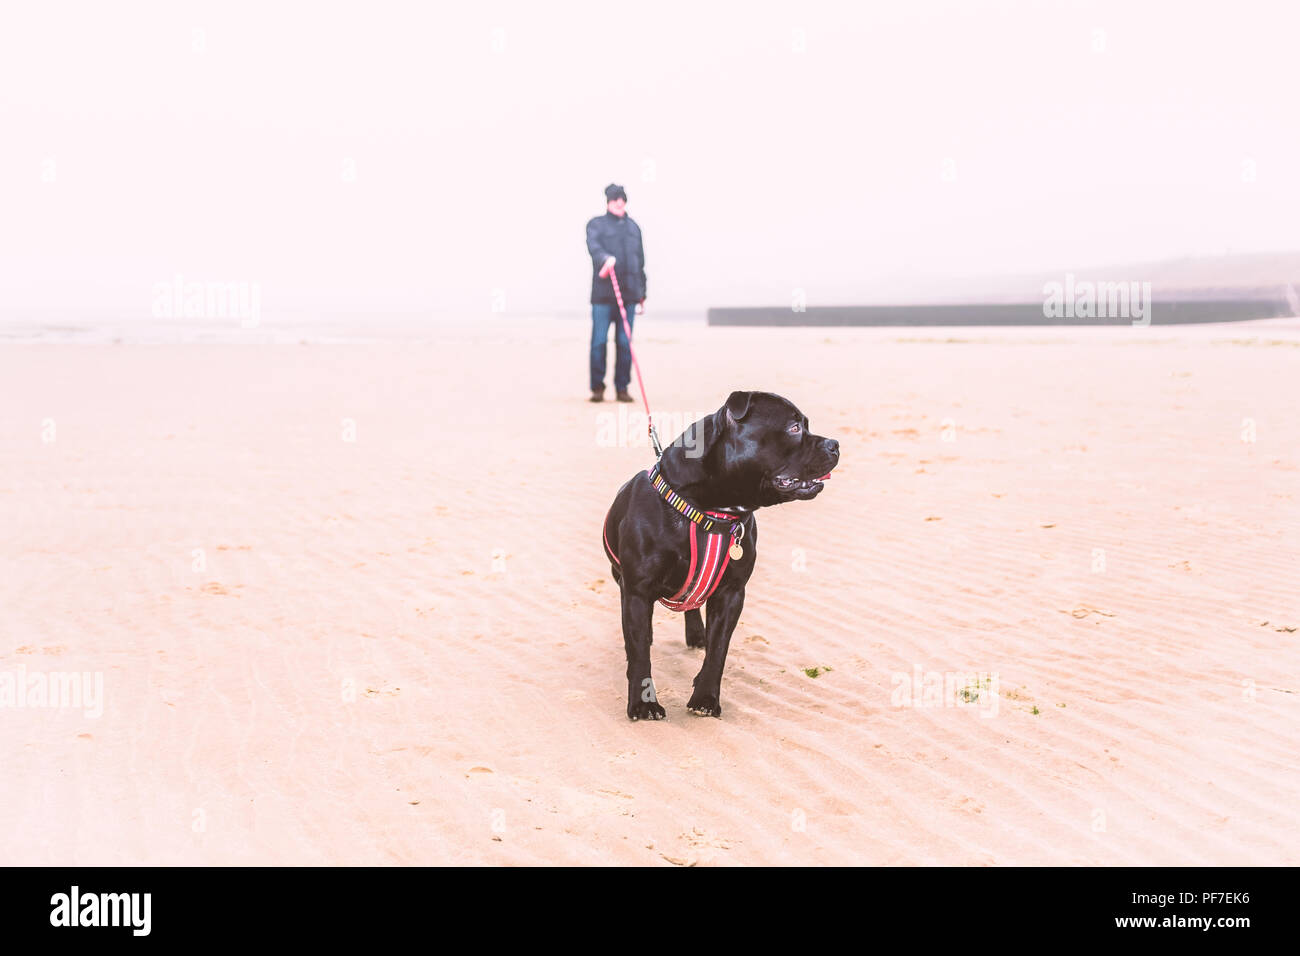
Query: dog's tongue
(823, 477)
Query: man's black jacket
(620, 237)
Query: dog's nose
(833, 447)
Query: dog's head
(754, 451)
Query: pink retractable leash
(627, 330)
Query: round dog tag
(736, 551)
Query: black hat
(614, 191)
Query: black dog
(684, 533)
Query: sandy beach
(349, 603)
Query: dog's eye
(795, 428)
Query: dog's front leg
(723, 611)
(637, 613)
(694, 629)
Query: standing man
(614, 240)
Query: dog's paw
(645, 710)
(704, 705)
(695, 639)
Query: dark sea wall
(1163, 311)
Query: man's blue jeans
(601, 316)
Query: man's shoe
(623, 396)
(597, 395)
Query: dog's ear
(683, 461)
(737, 406)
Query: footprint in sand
(700, 847)
(1082, 611)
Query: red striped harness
(711, 534)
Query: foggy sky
(838, 148)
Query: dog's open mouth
(800, 484)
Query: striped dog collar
(711, 522)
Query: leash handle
(627, 330)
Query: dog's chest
(706, 558)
